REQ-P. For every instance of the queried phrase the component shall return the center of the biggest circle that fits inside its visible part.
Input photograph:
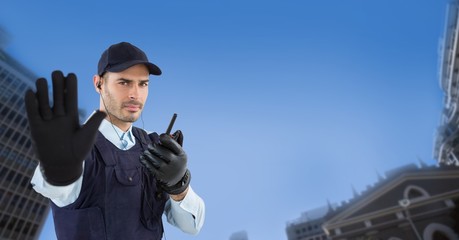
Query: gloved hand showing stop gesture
(60, 141)
(167, 161)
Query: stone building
(410, 203)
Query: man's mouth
(133, 107)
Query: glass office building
(22, 210)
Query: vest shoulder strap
(144, 137)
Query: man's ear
(97, 81)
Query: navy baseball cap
(121, 56)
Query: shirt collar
(122, 140)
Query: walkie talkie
(171, 124)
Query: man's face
(124, 93)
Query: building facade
(22, 210)
(446, 149)
(410, 203)
(308, 226)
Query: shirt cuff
(190, 202)
(59, 195)
(187, 214)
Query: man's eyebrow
(130, 80)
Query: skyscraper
(22, 210)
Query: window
(11, 116)
(42, 210)
(28, 143)
(4, 221)
(15, 137)
(35, 207)
(6, 200)
(8, 79)
(3, 171)
(2, 129)
(14, 98)
(23, 87)
(11, 223)
(19, 226)
(4, 112)
(5, 152)
(22, 202)
(436, 231)
(17, 179)
(2, 75)
(22, 140)
(413, 192)
(7, 94)
(27, 227)
(10, 176)
(15, 200)
(440, 236)
(9, 132)
(34, 229)
(24, 122)
(28, 205)
(15, 83)
(25, 182)
(18, 118)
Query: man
(108, 179)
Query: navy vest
(118, 198)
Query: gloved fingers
(161, 152)
(171, 144)
(31, 104)
(43, 99)
(178, 137)
(58, 93)
(71, 95)
(147, 164)
(156, 160)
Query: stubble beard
(115, 111)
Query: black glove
(166, 160)
(60, 141)
(178, 137)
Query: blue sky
(284, 104)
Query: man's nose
(134, 92)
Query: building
(241, 235)
(309, 225)
(22, 210)
(446, 149)
(410, 203)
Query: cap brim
(152, 68)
